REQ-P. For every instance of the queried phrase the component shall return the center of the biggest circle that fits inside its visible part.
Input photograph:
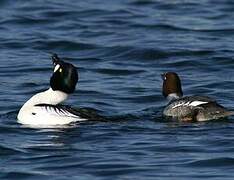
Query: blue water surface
(120, 48)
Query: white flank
(35, 115)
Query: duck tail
(229, 113)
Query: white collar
(173, 96)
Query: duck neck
(173, 96)
(47, 97)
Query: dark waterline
(120, 49)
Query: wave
(214, 162)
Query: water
(120, 49)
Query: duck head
(65, 76)
(171, 86)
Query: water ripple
(120, 49)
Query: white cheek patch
(56, 67)
(193, 103)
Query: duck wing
(198, 108)
(65, 110)
(60, 110)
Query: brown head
(171, 85)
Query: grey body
(195, 108)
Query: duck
(189, 108)
(44, 108)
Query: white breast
(40, 116)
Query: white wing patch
(197, 103)
(190, 103)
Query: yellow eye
(60, 70)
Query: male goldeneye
(43, 108)
(189, 108)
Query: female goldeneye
(43, 108)
(189, 108)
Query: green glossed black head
(65, 76)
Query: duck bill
(55, 59)
(56, 62)
(163, 76)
